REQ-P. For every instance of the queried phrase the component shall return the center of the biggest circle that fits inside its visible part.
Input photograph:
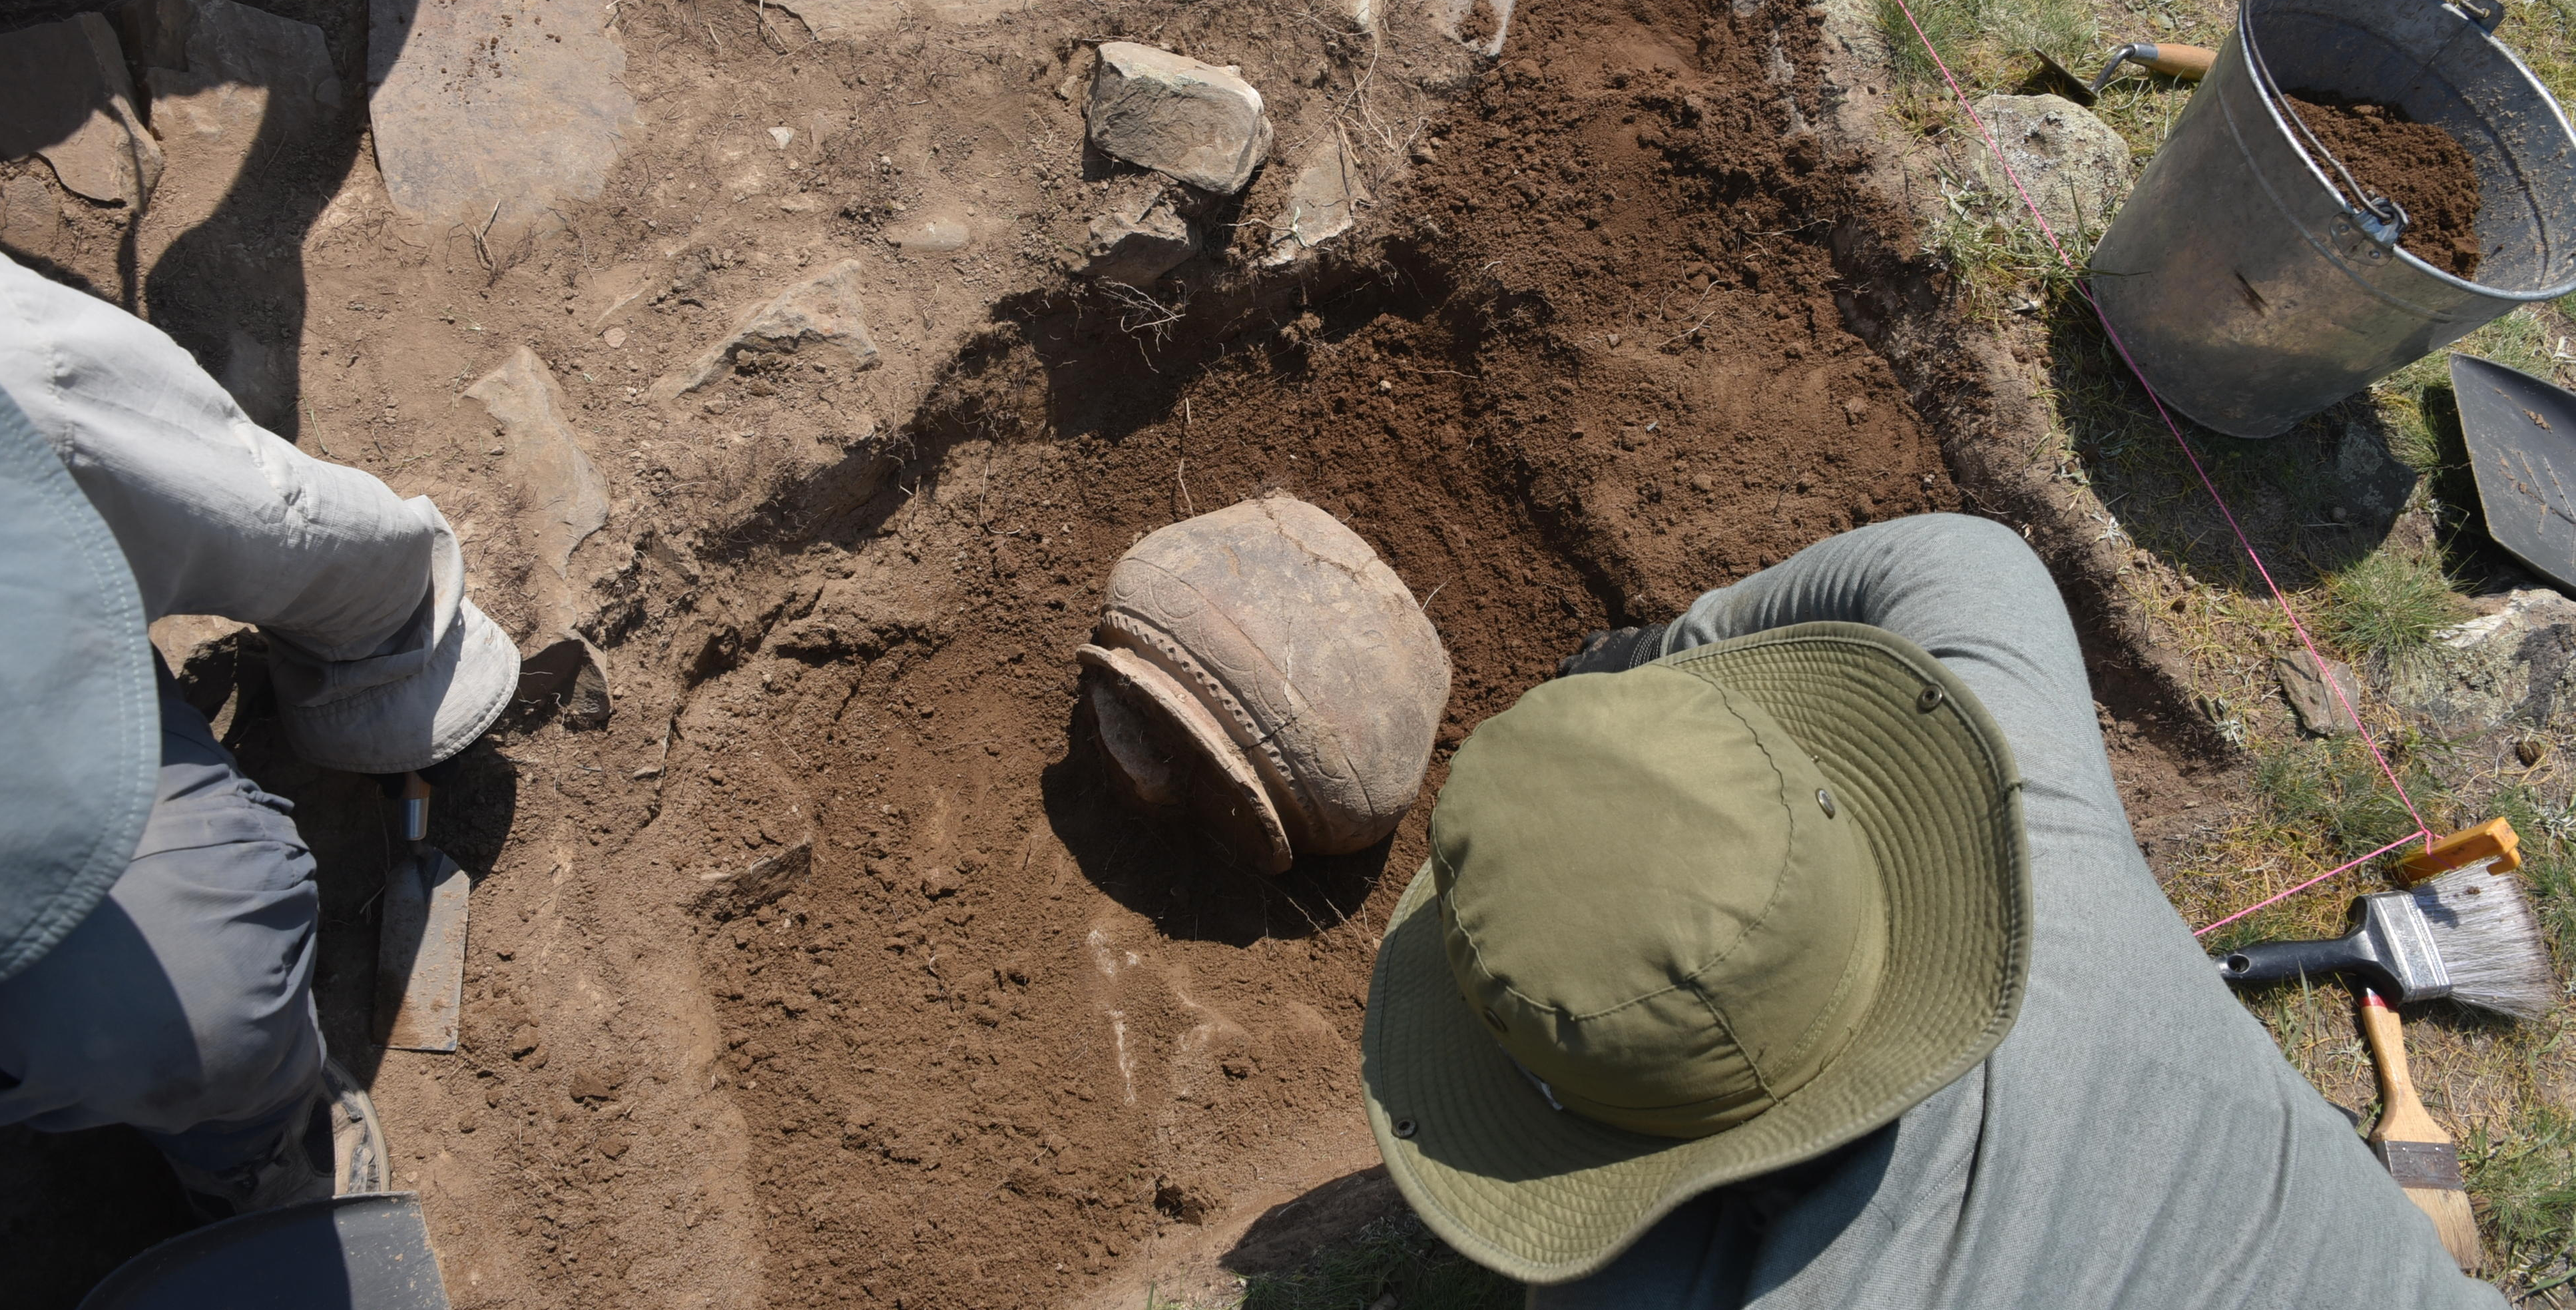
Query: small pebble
(1615, 339)
(615, 337)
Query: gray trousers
(183, 1004)
(2137, 1140)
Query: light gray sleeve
(2137, 1140)
(380, 662)
(216, 514)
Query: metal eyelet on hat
(1930, 700)
(1404, 1129)
(1825, 801)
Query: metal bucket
(2250, 289)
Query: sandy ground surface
(827, 972)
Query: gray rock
(819, 316)
(64, 94)
(492, 112)
(1194, 122)
(1323, 203)
(2311, 700)
(2514, 665)
(30, 217)
(932, 233)
(561, 500)
(2072, 163)
(217, 71)
(851, 20)
(1142, 237)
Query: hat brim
(1547, 1196)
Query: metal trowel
(2521, 435)
(420, 949)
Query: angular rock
(930, 234)
(221, 71)
(571, 673)
(487, 113)
(2073, 164)
(1142, 237)
(1323, 203)
(818, 315)
(2311, 700)
(30, 217)
(1194, 122)
(2513, 666)
(561, 498)
(64, 94)
(849, 20)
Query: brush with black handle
(2469, 935)
(2417, 1150)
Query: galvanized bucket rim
(2270, 96)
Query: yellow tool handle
(2185, 61)
(2494, 839)
(2402, 1117)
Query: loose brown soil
(2420, 166)
(828, 973)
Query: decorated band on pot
(1262, 669)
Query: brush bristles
(2490, 941)
(2453, 1219)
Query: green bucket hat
(1690, 924)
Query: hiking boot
(334, 1149)
(1614, 651)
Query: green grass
(2391, 603)
(1395, 1257)
(2525, 1182)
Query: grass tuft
(2391, 602)
(2525, 1178)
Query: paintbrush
(2469, 934)
(2417, 1151)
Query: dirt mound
(1004, 1032)
(2415, 164)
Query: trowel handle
(2190, 62)
(2281, 961)
(415, 807)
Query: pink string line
(2317, 659)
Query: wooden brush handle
(2402, 1117)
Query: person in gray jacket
(157, 908)
(1798, 953)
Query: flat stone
(1194, 122)
(1323, 203)
(219, 73)
(2512, 666)
(1142, 237)
(2073, 164)
(561, 499)
(2311, 700)
(30, 217)
(64, 94)
(491, 112)
(849, 20)
(930, 234)
(819, 316)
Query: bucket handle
(2486, 15)
(2382, 219)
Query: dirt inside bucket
(2418, 165)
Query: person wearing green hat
(1798, 953)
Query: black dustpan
(2521, 435)
(368, 1251)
